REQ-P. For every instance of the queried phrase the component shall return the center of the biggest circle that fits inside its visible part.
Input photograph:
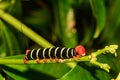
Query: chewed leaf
(9, 41)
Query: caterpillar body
(56, 53)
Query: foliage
(92, 23)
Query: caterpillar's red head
(80, 50)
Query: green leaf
(16, 74)
(30, 71)
(108, 59)
(102, 75)
(1, 78)
(112, 24)
(77, 73)
(9, 41)
(99, 11)
(15, 8)
(4, 4)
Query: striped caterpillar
(56, 53)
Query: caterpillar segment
(56, 53)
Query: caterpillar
(56, 53)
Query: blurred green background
(92, 23)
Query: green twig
(108, 49)
(106, 67)
(24, 29)
(20, 61)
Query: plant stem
(24, 29)
(20, 61)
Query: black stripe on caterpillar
(54, 53)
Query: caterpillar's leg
(78, 56)
(45, 60)
(57, 59)
(27, 51)
(38, 61)
(25, 60)
(51, 59)
(75, 57)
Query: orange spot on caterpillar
(56, 59)
(27, 51)
(25, 60)
(51, 59)
(38, 61)
(45, 60)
